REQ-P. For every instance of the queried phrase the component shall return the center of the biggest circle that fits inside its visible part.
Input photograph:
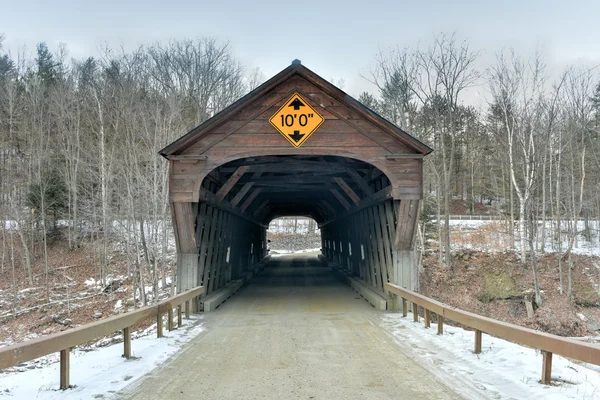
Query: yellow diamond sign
(296, 120)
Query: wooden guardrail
(549, 344)
(63, 341)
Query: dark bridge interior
(320, 187)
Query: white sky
(336, 39)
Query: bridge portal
(296, 146)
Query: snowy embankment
(503, 370)
(98, 372)
(492, 236)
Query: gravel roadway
(295, 332)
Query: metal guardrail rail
(549, 344)
(63, 341)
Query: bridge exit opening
(293, 234)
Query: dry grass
(463, 285)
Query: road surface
(295, 332)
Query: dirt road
(294, 332)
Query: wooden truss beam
(210, 198)
(238, 197)
(377, 198)
(348, 190)
(340, 198)
(363, 184)
(231, 182)
(250, 199)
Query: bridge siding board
(204, 223)
(317, 140)
(209, 255)
(384, 247)
(218, 257)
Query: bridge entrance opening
(355, 174)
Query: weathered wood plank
(240, 195)
(362, 183)
(250, 199)
(185, 227)
(318, 140)
(222, 192)
(340, 198)
(348, 190)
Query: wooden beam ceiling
(325, 186)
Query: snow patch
(502, 370)
(99, 372)
(92, 282)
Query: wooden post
(427, 314)
(187, 309)
(170, 316)
(440, 321)
(159, 325)
(477, 341)
(64, 369)
(404, 307)
(179, 321)
(127, 343)
(415, 310)
(394, 302)
(546, 367)
(194, 306)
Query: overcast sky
(336, 39)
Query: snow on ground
(497, 238)
(101, 372)
(298, 225)
(279, 253)
(503, 370)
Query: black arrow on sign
(296, 104)
(296, 136)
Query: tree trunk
(533, 259)
(522, 230)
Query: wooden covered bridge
(296, 146)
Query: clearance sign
(296, 120)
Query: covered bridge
(296, 146)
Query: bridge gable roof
(245, 122)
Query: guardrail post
(187, 309)
(404, 307)
(127, 342)
(179, 321)
(170, 317)
(64, 368)
(415, 310)
(477, 349)
(440, 322)
(394, 302)
(159, 325)
(546, 367)
(427, 314)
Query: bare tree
(518, 91)
(578, 125)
